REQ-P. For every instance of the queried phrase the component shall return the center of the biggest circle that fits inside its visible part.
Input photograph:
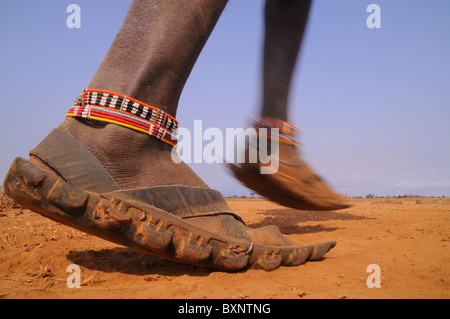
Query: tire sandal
(293, 184)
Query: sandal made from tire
(145, 228)
(283, 188)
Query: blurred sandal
(286, 179)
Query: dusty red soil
(409, 239)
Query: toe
(268, 235)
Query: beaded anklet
(287, 134)
(111, 107)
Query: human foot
(293, 184)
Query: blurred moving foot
(294, 184)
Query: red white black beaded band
(287, 133)
(111, 107)
(125, 103)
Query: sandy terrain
(408, 238)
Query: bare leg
(294, 184)
(285, 22)
(156, 49)
(150, 60)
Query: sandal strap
(73, 162)
(287, 133)
(77, 166)
(180, 200)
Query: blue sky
(373, 104)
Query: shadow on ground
(289, 220)
(128, 261)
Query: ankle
(94, 134)
(133, 159)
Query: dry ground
(409, 239)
